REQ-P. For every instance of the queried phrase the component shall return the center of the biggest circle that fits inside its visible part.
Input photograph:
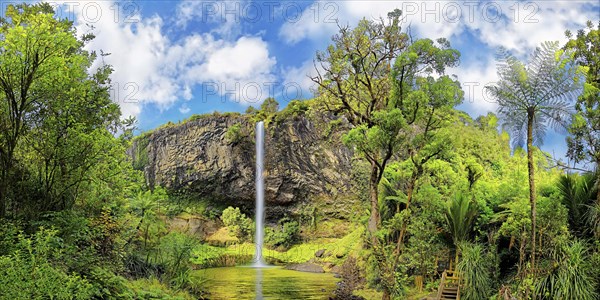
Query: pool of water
(265, 283)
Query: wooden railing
(441, 287)
(448, 277)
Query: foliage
(237, 222)
(541, 91)
(423, 172)
(176, 253)
(282, 236)
(146, 206)
(29, 272)
(475, 268)
(571, 276)
(584, 142)
(293, 109)
(267, 112)
(233, 134)
(577, 192)
(154, 289)
(140, 158)
(269, 106)
(532, 97)
(108, 285)
(44, 101)
(460, 216)
(203, 253)
(425, 244)
(386, 104)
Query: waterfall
(260, 195)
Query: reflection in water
(258, 282)
(264, 283)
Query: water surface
(265, 283)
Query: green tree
(532, 97)
(381, 83)
(356, 82)
(269, 106)
(460, 217)
(52, 112)
(238, 223)
(584, 142)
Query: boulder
(306, 267)
(320, 253)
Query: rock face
(304, 160)
(194, 226)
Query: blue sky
(173, 59)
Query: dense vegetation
(439, 189)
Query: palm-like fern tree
(577, 192)
(460, 217)
(532, 97)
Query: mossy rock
(222, 238)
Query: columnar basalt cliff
(212, 157)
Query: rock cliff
(213, 157)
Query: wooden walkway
(449, 286)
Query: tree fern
(532, 97)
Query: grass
(336, 250)
(222, 237)
(153, 289)
(369, 294)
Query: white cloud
(241, 70)
(300, 76)
(149, 68)
(226, 15)
(525, 26)
(518, 26)
(247, 57)
(184, 109)
(474, 77)
(319, 19)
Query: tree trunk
(3, 191)
(374, 219)
(400, 242)
(2, 199)
(598, 181)
(531, 170)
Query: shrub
(235, 134)
(293, 109)
(108, 285)
(282, 236)
(237, 222)
(8, 236)
(29, 274)
(176, 252)
(475, 268)
(571, 277)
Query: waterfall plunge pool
(264, 283)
